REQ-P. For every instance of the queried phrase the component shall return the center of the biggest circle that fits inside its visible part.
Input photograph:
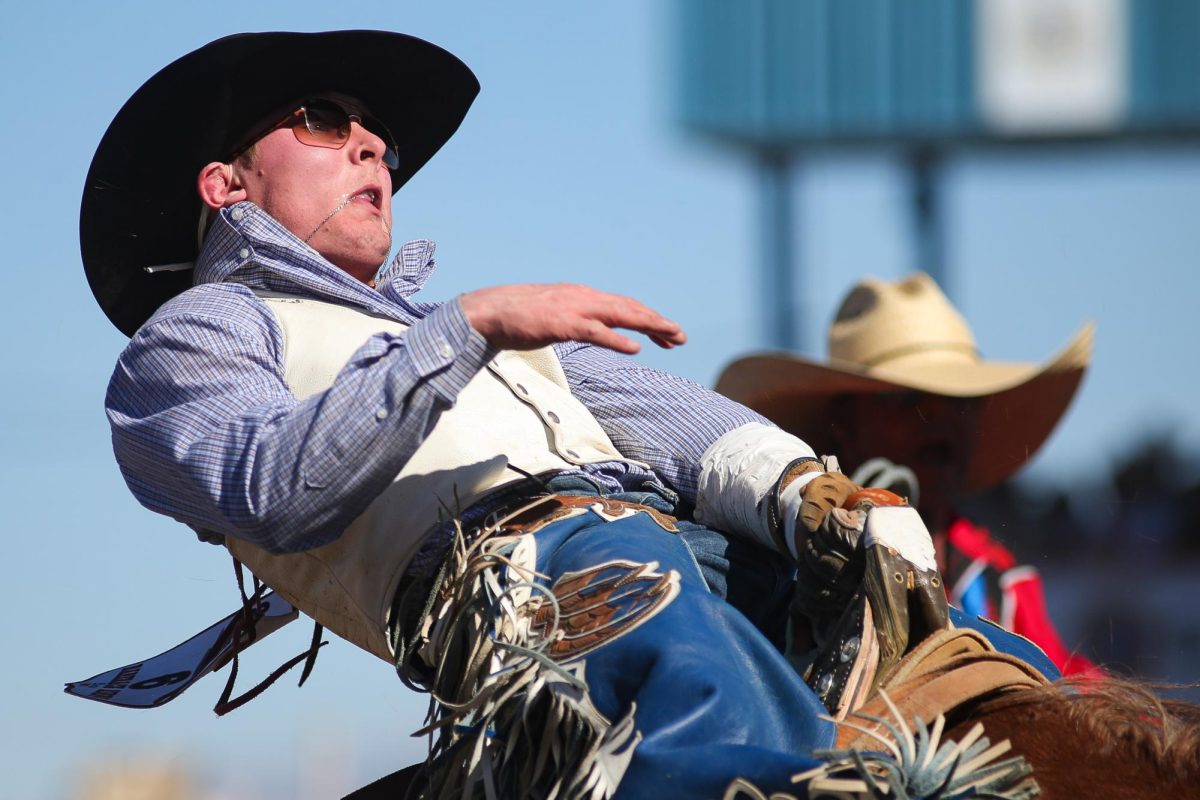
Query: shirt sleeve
(664, 420)
(206, 430)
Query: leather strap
(949, 669)
(844, 671)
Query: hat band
(920, 347)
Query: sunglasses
(324, 123)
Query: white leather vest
(519, 410)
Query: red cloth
(1021, 602)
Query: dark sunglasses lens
(391, 157)
(324, 124)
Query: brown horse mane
(1103, 738)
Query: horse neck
(1094, 741)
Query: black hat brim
(140, 208)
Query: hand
(823, 493)
(831, 565)
(529, 316)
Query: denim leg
(756, 581)
(714, 698)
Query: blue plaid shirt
(206, 430)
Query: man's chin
(361, 263)
(344, 240)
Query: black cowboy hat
(140, 209)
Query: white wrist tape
(790, 500)
(738, 471)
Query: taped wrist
(741, 475)
(786, 499)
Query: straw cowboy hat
(906, 336)
(140, 212)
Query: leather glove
(823, 494)
(831, 565)
(831, 558)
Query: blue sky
(569, 167)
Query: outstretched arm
(207, 431)
(529, 316)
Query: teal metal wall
(768, 73)
(1165, 65)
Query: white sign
(1052, 66)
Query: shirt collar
(247, 245)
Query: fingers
(598, 333)
(823, 494)
(617, 311)
(531, 316)
(668, 343)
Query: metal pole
(928, 224)
(778, 262)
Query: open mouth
(371, 195)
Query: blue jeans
(715, 698)
(756, 581)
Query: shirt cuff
(447, 351)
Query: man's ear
(218, 186)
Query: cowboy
(482, 491)
(578, 556)
(906, 398)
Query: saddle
(895, 636)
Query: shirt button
(381, 414)
(572, 454)
(446, 350)
(553, 417)
(237, 214)
(244, 252)
(522, 389)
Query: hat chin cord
(345, 202)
